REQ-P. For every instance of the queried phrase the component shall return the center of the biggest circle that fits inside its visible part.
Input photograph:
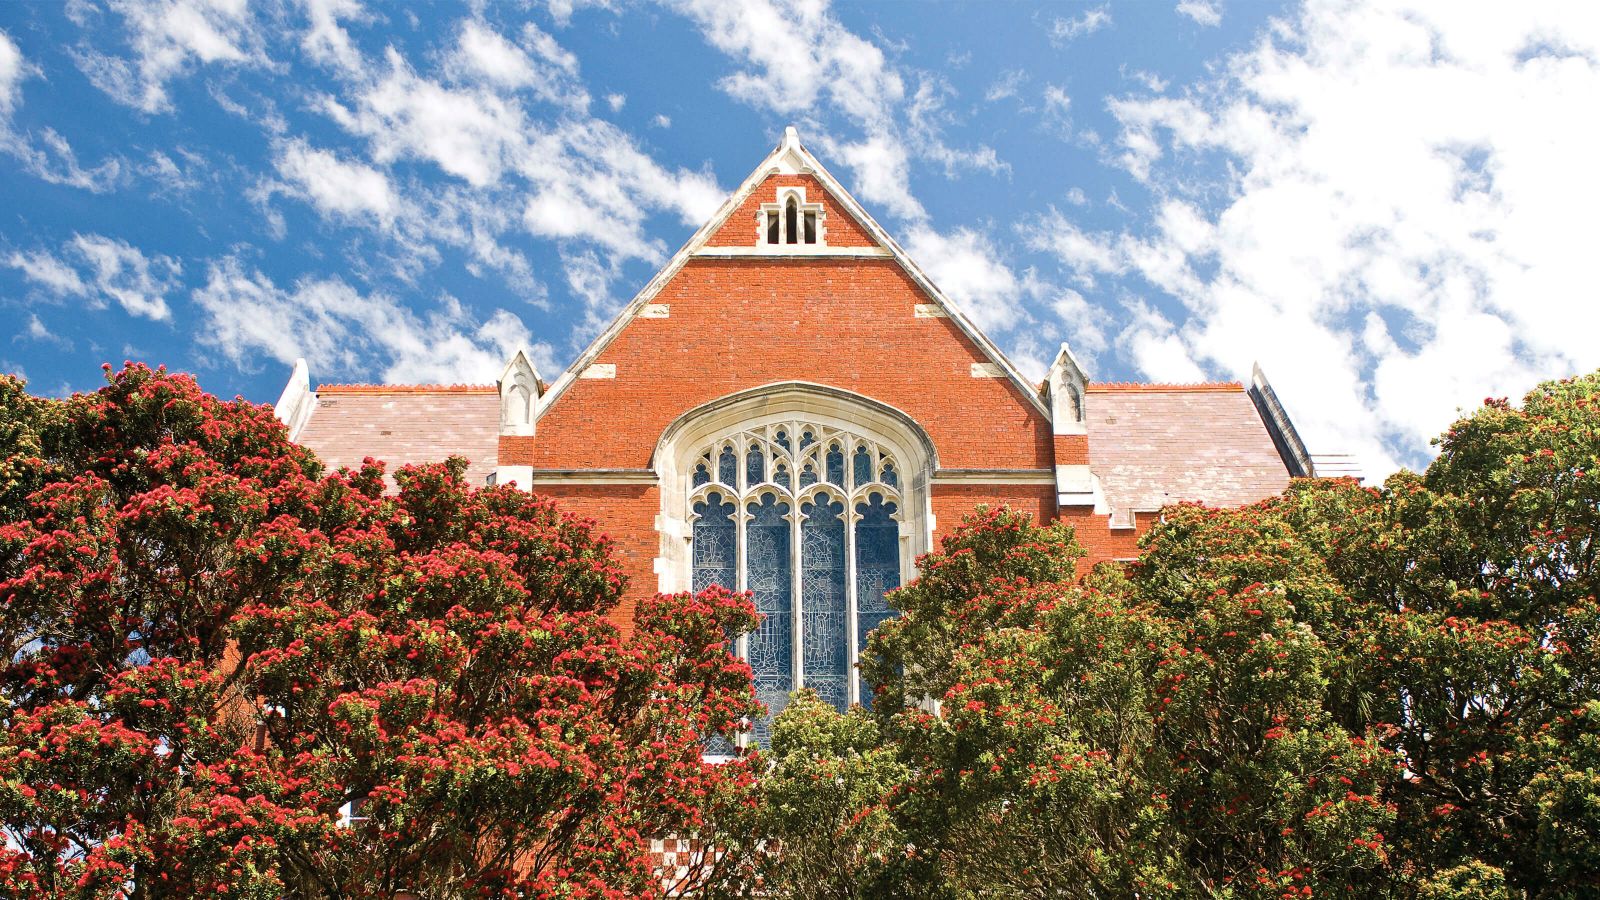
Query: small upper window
(791, 221)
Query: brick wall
(625, 513)
(741, 323)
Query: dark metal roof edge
(1284, 436)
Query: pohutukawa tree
(228, 673)
(1340, 691)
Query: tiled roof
(1153, 445)
(402, 424)
(405, 389)
(1158, 388)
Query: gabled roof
(790, 157)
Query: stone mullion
(851, 625)
(796, 567)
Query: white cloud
(326, 41)
(95, 268)
(966, 266)
(1406, 223)
(1056, 100)
(37, 329)
(123, 273)
(1158, 352)
(468, 133)
(798, 61)
(583, 178)
(561, 10)
(1205, 12)
(484, 56)
(46, 156)
(168, 37)
(1005, 86)
(341, 331)
(50, 273)
(1063, 29)
(662, 121)
(616, 101)
(12, 71)
(336, 186)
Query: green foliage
(1344, 691)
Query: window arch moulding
(840, 479)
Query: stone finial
(520, 390)
(1067, 382)
(295, 403)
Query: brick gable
(742, 228)
(733, 324)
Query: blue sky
(1389, 206)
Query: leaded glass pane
(824, 639)
(877, 568)
(754, 466)
(769, 575)
(807, 439)
(715, 552)
(715, 548)
(783, 439)
(889, 477)
(808, 476)
(862, 463)
(728, 467)
(780, 475)
(835, 465)
(702, 474)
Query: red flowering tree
(228, 673)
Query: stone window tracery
(807, 517)
(791, 223)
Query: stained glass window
(805, 579)
(754, 468)
(823, 610)
(877, 568)
(862, 463)
(715, 544)
(769, 574)
(836, 465)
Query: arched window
(790, 222)
(806, 517)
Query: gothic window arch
(807, 517)
(760, 488)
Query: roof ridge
(1158, 387)
(405, 388)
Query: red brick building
(813, 470)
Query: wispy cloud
(1205, 12)
(344, 332)
(168, 38)
(97, 269)
(1069, 28)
